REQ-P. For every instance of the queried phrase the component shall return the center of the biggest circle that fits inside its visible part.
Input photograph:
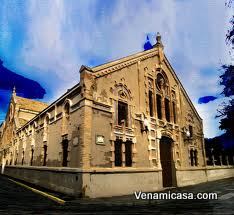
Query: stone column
(163, 107)
(86, 132)
(123, 151)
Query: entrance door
(166, 161)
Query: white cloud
(62, 35)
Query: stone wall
(216, 173)
(108, 181)
(63, 180)
(190, 177)
(118, 183)
(195, 176)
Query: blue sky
(48, 41)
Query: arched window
(47, 120)
(67, 109)
(160, 81)
(167, 109)
(163, 97)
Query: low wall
(194, 176)
(217, 172)
(121, 183)
(89, 183)
(109, 181)
(187, 177)
(64, 180)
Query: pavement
(17, 199)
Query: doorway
(168, 168)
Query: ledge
(90, 170)
(220, 167)
(205, 168)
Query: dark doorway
(168, 170)
(65, 152)
(118, 152)
(45, 155)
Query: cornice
(181, 86)
(122, 63)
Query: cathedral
(128, 125)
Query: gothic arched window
(160, 81)
(67, 109)
(162, 97)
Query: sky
(48, 41)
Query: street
(15, 199)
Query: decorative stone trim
(113, 68)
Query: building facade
(128, 125)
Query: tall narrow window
(128, 153)
(44, 155)
(22, 162)
(11, 159)
(118, 153)
(191, 157)
(16, 157)
(67, 109)
(151, 107)
(122, 113)
(191, 131)
(159, 106)
(195, 158)
(174, 111)
(65, 152)
(32, 152)
(167, 110)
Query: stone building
(20, 111)
(128, 125)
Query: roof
(29, 104)
(121, 60)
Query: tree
(227, 80)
